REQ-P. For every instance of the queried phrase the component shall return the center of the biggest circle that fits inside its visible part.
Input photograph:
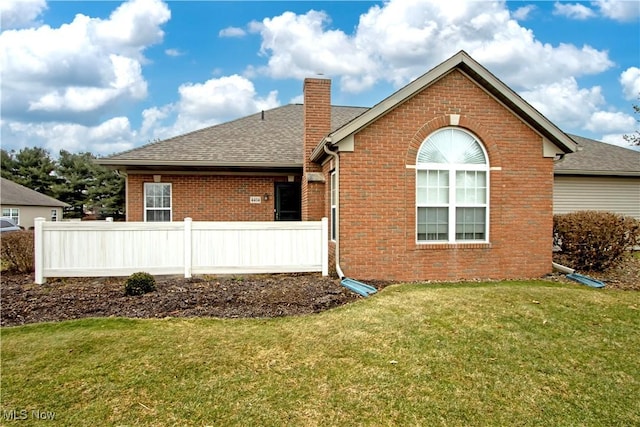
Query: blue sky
(109, 76)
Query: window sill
(447, 246)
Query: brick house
(451, 177)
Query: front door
(287, 202)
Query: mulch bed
(249, 296)
(271, 295)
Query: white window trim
(144, 195)
(54, 215)
(332, 200)
(16, 217)
(452, 168)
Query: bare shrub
(594, 241)
(16, 250)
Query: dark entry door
(287, 201)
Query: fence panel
(256, 247)
(84, 249)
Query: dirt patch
(271, 295)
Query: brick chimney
(317, 125)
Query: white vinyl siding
(612, 194)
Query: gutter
(196, 163)
(317, 152)
(337, 221)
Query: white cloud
(564, 103)
(400, 40)
(232, 32)
(71, 77)
(618, 139)
(132, 27)
(109, 137)
(522, 13)
(630, 81)
(127, 83)
(574, 108)
(20, 13)
(220, 99)
(619, 10)
(299, 46)
(573, 11)
(606, 122)
(153, 127)
(205, 104)
(173, 52)
(81, 67)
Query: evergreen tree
(108, 195)
(31, 167)
(7, 164)
(75, 179)
(76, 176)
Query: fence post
(38, 247)
(325, 246)
(187, 248)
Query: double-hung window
(452, 188)
(157, 202)
(13, 213)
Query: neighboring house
(451, 177)
(24, 204)
(600, 177)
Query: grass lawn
(504, 353)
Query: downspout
(337, 220)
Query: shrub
(595, 241)
(16, 251)
(139, 283)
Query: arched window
(452, 188)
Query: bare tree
(634, 138)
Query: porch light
(265, 197)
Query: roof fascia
(218, 172)
(475, 71)
(585, 172)
(197, 164)
(518, 105)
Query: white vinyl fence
(96, 248)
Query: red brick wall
(317, 125)
(377, 192)
(207, 197)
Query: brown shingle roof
(274, 141)
(598, 158)
(19, 195)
